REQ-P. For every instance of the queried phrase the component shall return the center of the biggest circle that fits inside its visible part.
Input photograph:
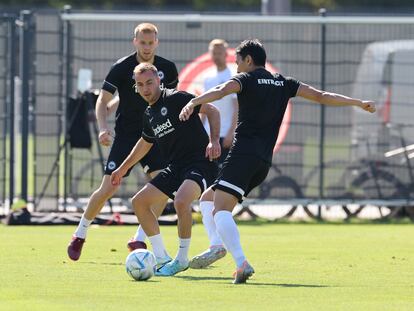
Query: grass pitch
(298, 267)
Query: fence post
(67, 50)
(11, 102)
(322, 13)
(25, 64)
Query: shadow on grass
(146, 281)
(101, 263)
(310, 222)
(250, 283)
(203, 278)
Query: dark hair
(255, 49)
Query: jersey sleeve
(292, 86)
(147, 132)
(113, 80)
(173, 77)
(242, 79)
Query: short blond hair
(144, 67)
(145, 28)
(218, 42)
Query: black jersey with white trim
(131, 105)
(179, 142)
(263, 99)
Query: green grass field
(298, 267)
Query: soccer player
(262, 98)
(227, 105)
(128, 127)
(228, 109)
(189, 154)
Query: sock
(227, 229)
(158, 246)
(206, 208)
(140, 234)
(82, 228)
(182, 254)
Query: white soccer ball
(140, 264)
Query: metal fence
(327, 154)
(8, 66)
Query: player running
(128, 127)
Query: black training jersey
(178, 141)
(131, 105)
(263, 99)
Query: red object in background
(192, 77)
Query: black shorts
(240, 174)
(121, 148)
(224, 153)
(168, 181)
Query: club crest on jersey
(164, 111)
(111, 165)
(161, 74)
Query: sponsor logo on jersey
(164, 111)
(164, 128)
(270, 81)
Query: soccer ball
(140, 264)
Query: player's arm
(333, 99)
(112, 106)
(213, 149)
(210, 96)
(140, 149)
(105, 134)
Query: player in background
(128, 127)
(228, 120)
(262, 98)
(189, 153)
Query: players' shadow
(250, 283)
(202, 278)
(101, 263)
(287, 285)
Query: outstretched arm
(210, 96)
(333, 99)
(140, 149)
(213, 149)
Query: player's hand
(186, 112)
(105, 137)
(368, 105)
(116, 176)
(213, 150)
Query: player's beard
(146, 57)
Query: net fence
(368, 58)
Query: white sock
(140, 234)
(82, 228)
(227, 229)
(158, 246)
(182, 254)
(206, 208)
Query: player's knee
(103, 193)
(181, 205)
(138, 201)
